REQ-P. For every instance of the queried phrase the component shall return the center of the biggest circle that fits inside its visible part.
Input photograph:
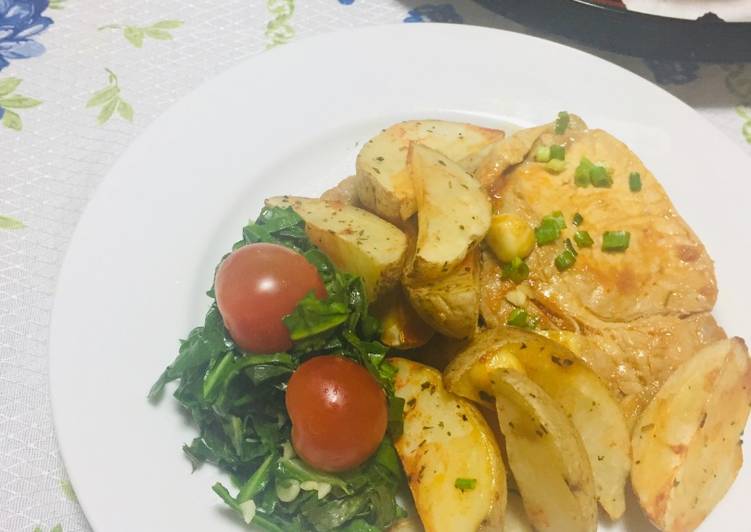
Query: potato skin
(445, 437)
(450, 305)
(687, 442)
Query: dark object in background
(606, 24)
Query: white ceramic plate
(291, 121)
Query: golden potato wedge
(582, 395)
(384, 185)
(355, 240)
(446, 438)
(451, 304)
(453, 213)
(401, 326)
(546, 455)
(686, 443)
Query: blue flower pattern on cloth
(673, 72)
(434, 13)
(20, 21)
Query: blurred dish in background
(696, 30)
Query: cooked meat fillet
(636, 314)
(665, 271)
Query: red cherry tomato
(256, 286)
(338, 413)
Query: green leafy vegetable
(236, 401)
(577, 219)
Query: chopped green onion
(542, 155)
(615, 240)
(550, 228)
(520, 318)
(634, 181)
(570, 246)
(582, 177)
(561, 123)
(555, 166)
(583, 240)
(577, 219)
(558, 152)
(516, 270)
(565, 260)
(465, 483)
(600, 177)
(548, 231)
(557, 217)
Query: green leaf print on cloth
(56, 528)
(135, 35)
(9, 100)
(67, 488)
(110, 100)
(279, 30)
(745, 113)
(6, 222)
(57, 4)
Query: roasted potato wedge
(401, 326)
(546, 455)
(584, 397)
(355, 240)
(446, 438)
(453, 213)
(451, 304)
(384, 185)
(686, 444)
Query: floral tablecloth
(79, 80)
